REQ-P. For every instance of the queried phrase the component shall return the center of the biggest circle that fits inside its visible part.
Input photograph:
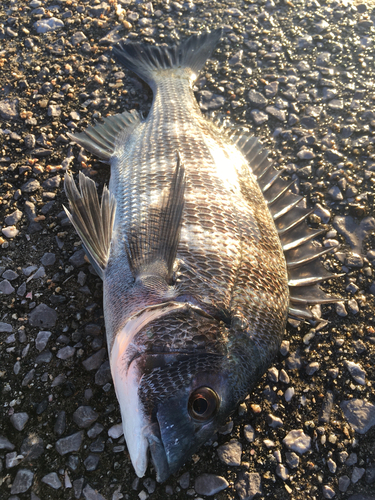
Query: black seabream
(203, 250)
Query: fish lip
(158, 453)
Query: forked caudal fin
(147, 60)
(93, 222)
(305, 271)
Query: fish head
(175, 389)
(185, 403)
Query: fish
(204, 252)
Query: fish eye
(203, 404)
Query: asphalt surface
(299, 75)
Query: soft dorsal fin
(152, 244)
(100, 139)
(93, 222)
(301, 254)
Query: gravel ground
(298, 74)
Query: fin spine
(92, 221)
(101, 138)
(304, 269)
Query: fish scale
(203, 250)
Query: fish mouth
(158, 453)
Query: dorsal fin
(100, 139)
(93, 222)
(152, 244)
(304, 269)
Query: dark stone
(32, 447)
(210, 484)
(103, 375)
(42, 406)
(326, 407)
(5, 444)
(52, 183)
(85, 416)
(70, 443)
(94, 361)
(43, 317)
(22, 481)
(78, 258)
(209, 101)
(91, 462)
(257, 99)
(60, 423)
(48, 259)
(249, 485)
(308, 122)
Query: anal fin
(92, 221)
(152, 244)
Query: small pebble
(66, 352)
(19, 420)
(13, 218)
(91, 462)
(331, 466)
(22, 482)
(282, 472)
(84, 416)
(292, 459)
(116, 431)
(42, 340)
(274, 422)
(357, 474)
(184, 480)
(70, 443)
(48, 259)
(249, 485)
(230, 453)
(344, 482)
(328, 491)
(6, 288)
(43, 316)
(359, 413)
(289, 393)
(45, 25)
(10, 232)
(210, 484)
(312, 368)
(340, 309)
(297, 441)
(94, 361)
(52, 479)
(356, 371)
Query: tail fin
(146, 60)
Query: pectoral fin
(152, 244)
(93, 222)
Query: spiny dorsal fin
(100, 139)
(93, 222)
(152, 244)
(304, 269)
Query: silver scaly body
(196, 292)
